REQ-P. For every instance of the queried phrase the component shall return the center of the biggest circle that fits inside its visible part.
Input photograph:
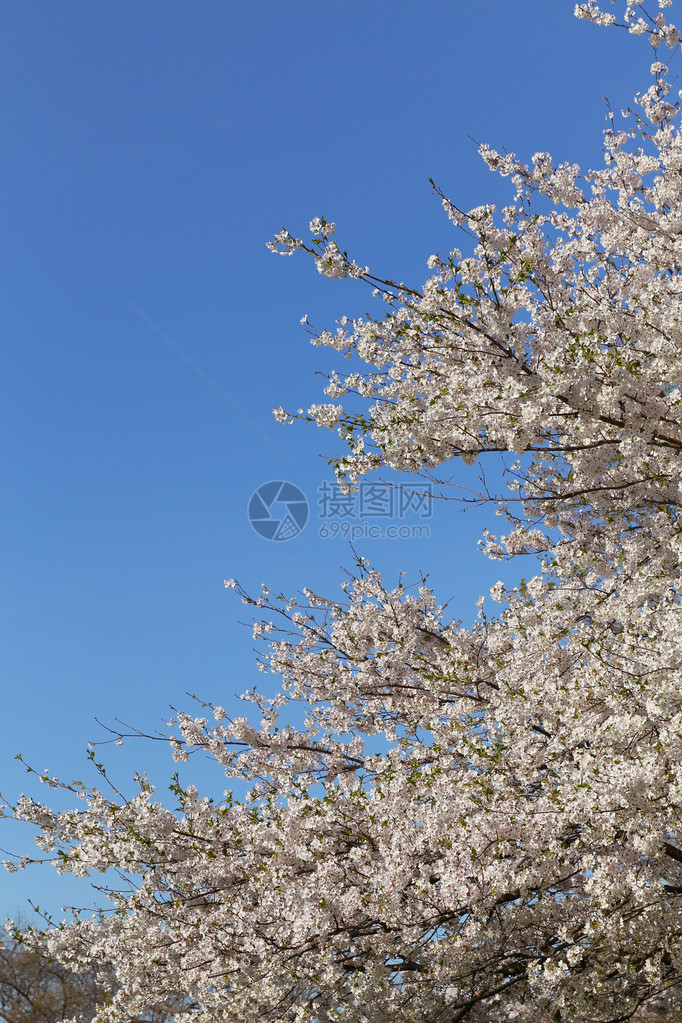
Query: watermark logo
(278, 510)
(374, 511)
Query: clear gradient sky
(150, 149)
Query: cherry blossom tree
(36, 989)
(472, 823)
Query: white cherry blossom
(468, 823)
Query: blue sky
(150, 151)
